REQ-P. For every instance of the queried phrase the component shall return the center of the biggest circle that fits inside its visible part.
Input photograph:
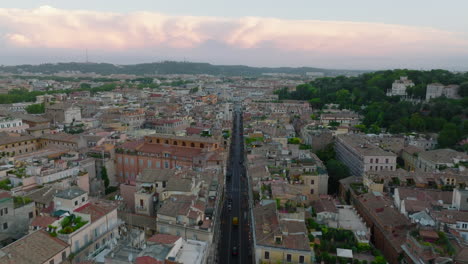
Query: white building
(399, 87)
(8, 124)
(435, 90)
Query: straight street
(235, 245)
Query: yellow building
(279, 240)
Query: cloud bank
(52, 28)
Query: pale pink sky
(48, 34)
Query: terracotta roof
(96, 209)
(43, 221)
(324, 205)
(5, 195)
(147, 260)
(163, 239)
(37, 247)
(428, 234)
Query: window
(312, 181)
(192, 145)
(64, 255)
(311, 191)
(301, 259)
(5, 226)
(141, 203)
(51, 262)
(158, 164)
(376, 160)
(288, 257)
(202, 145)
(370, 167)
(386, 160)
(132, 162)
(166, 165)
(31, 215)
(76, 203)
(82, 199)
(141, 163)
(164, 184)
(267, 255)
(371, 160)
(149, 164)
(126, 160)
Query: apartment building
(435, 90)
(310, 176)
(12, 146)
(399, 87)
(62, 113)
(15, 215)
(133, 117)
(168, 126)
(439, 159)
(94, 224)
(9, 124)
(38, 247)
(360, 156)
(167, 152)
(344, 118)
(279, 240)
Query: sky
(358, 34)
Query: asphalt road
(237, 196)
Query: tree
(448, 137)
(294, 140)
(343, 97)
(35, 109)
(336, 172)
(463, 90)
(374, 129)
(416, 122)
(327, 153)
(105, 177)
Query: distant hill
(167, 67)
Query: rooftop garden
(294, 140)
(333, 238)
(71, 223)
(358, 188)
(250, 140)
(19, 172)
(19, 201)
(5, 184)
(226, 134)
(266, 191)
(441, 245)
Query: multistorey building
(167, 152)
(361, 156)
(9, 124)
(435, 90)
(399, 87)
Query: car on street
(234, 251)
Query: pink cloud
(77, 29)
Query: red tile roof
(43, 221)
(96, 209)
(163, 239)
(147, 260)
(5, 195)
